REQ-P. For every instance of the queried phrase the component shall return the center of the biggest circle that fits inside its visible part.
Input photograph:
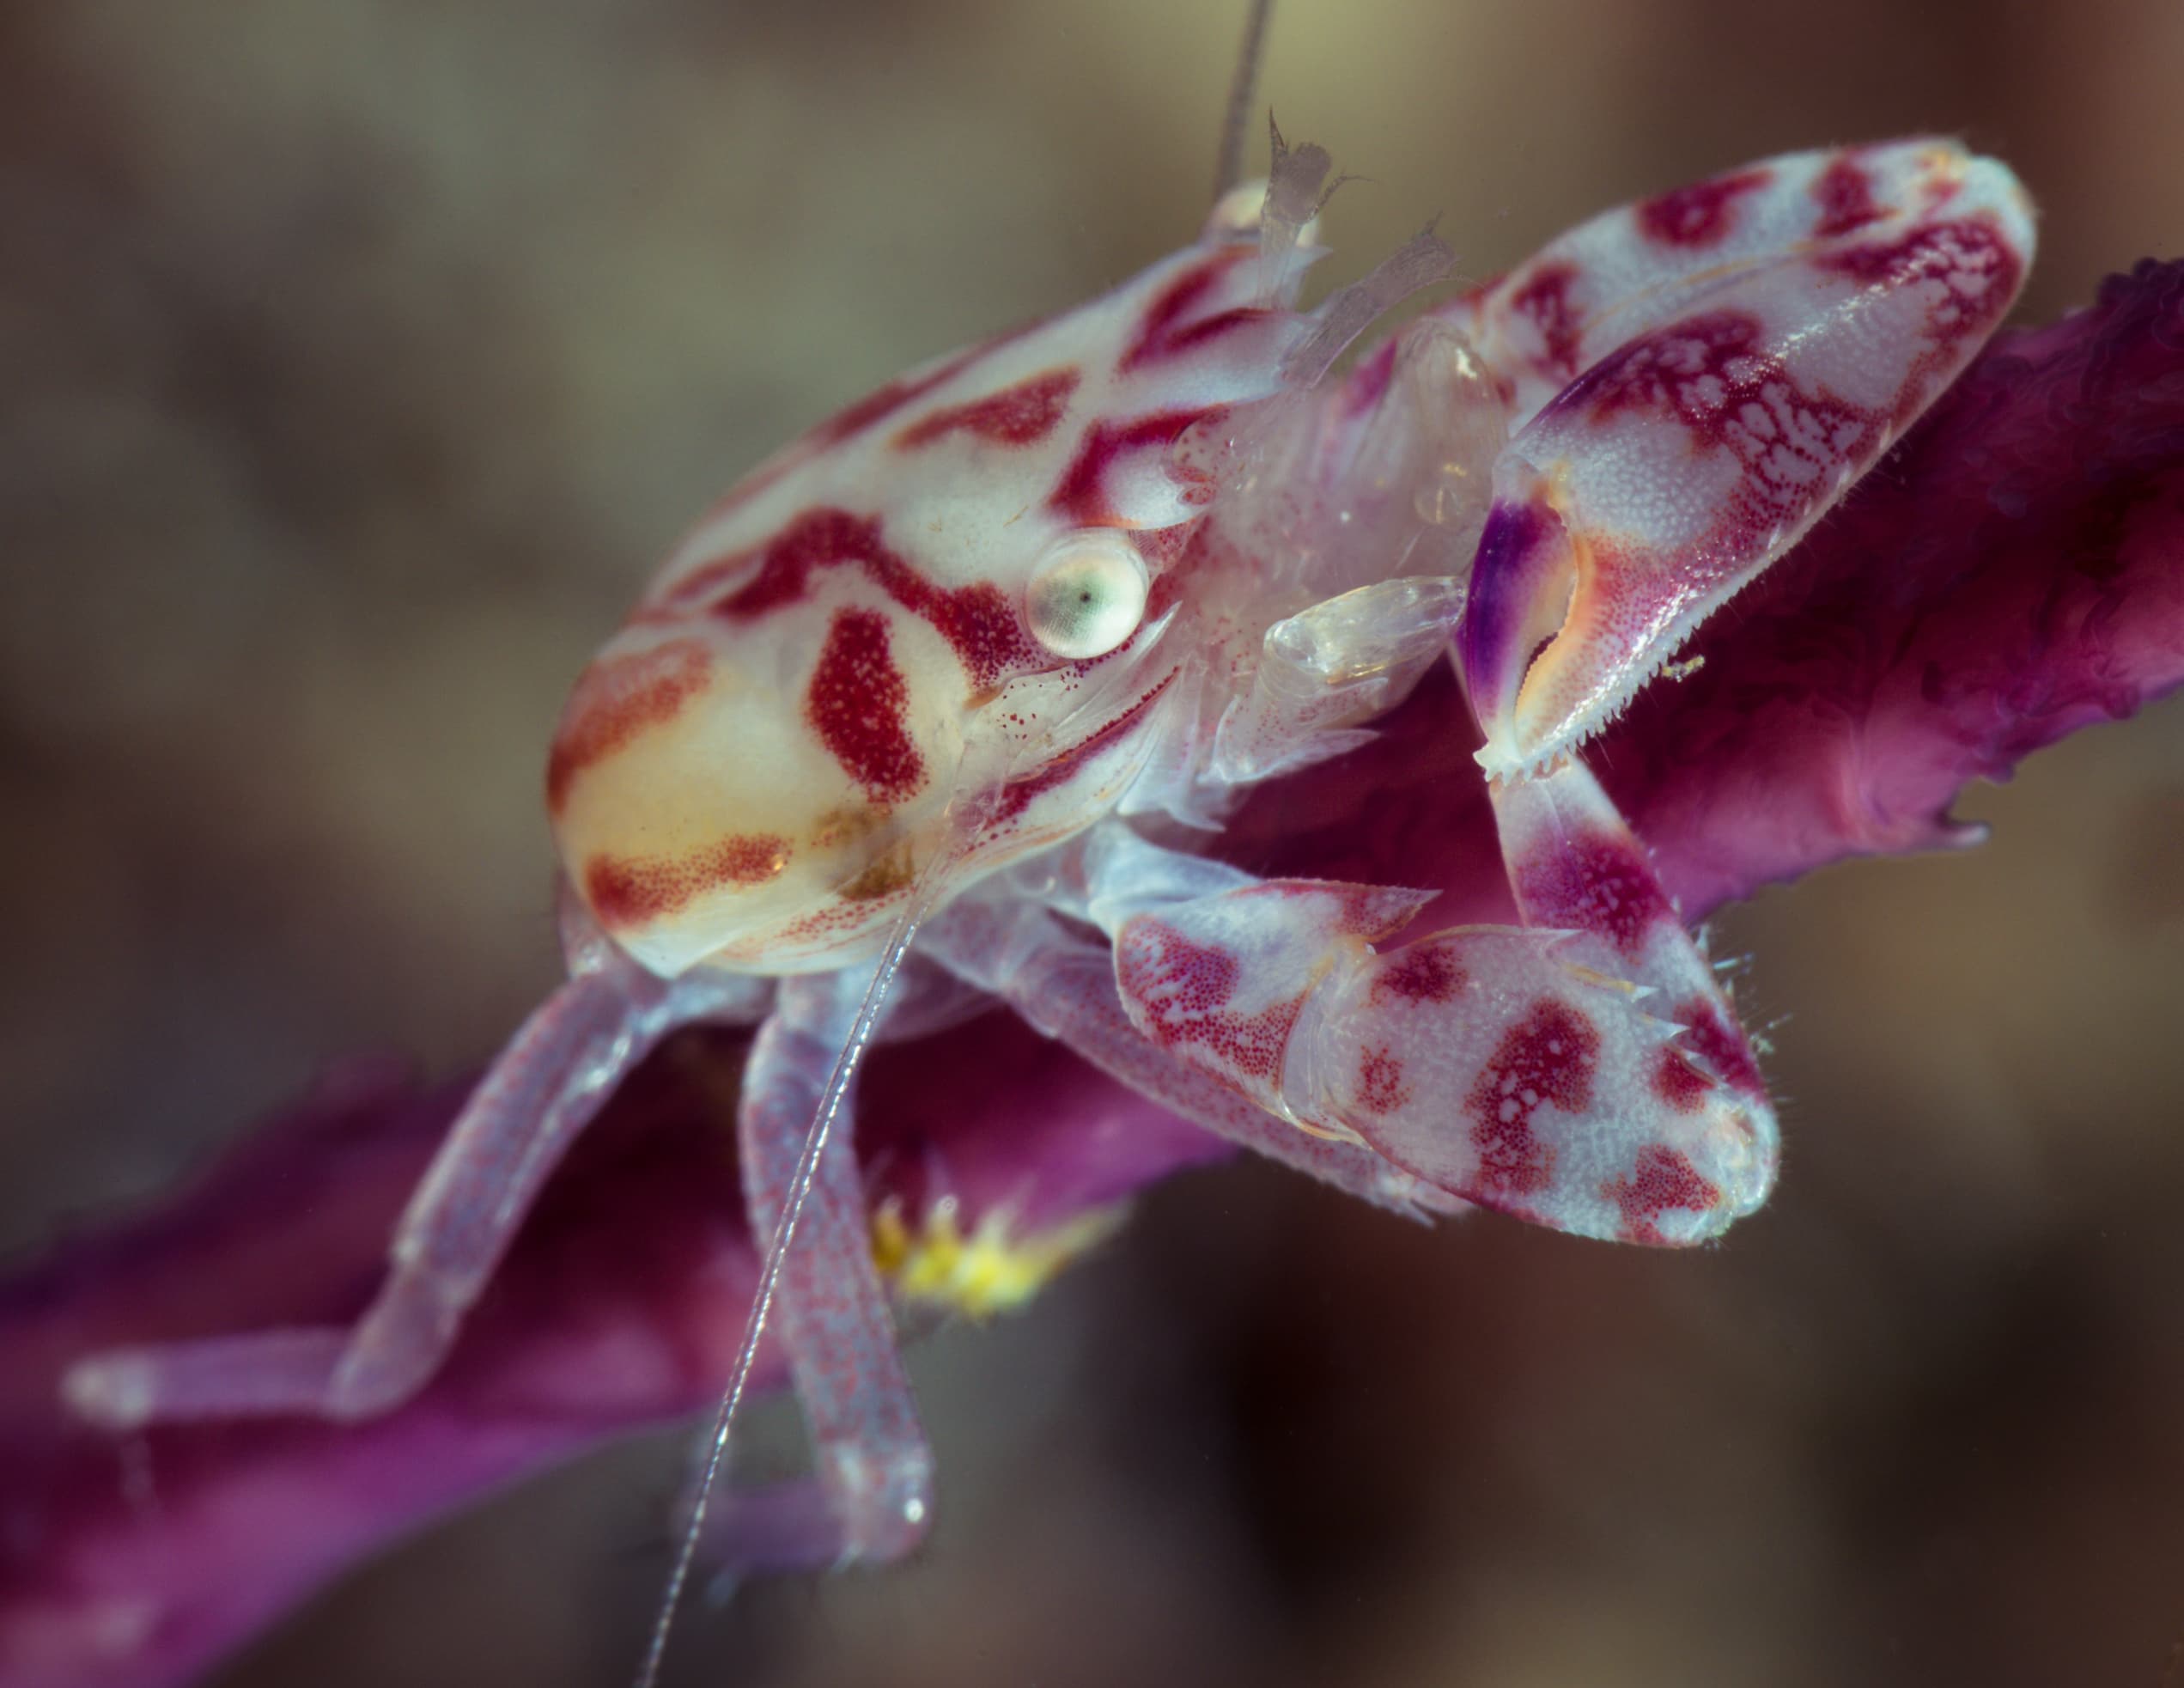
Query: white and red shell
(752, 770)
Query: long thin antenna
(762, 1299)
(1242, 93)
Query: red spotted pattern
(979, 623)
(1544, 301)
(1184, 987)
(857, 703)
(1721, 1046)
(1662, 1182)
(1549, 1057)
(1059, 769)
(1701, 214)
(626, 891)
(1680, 1084)
(1380, 1087)
(1979, 273)
(875, 408)
(1715, 375)
(1594, 883)
(616, 701)
(1421, 972)
(1844, 194)
(1021, 415)
(1170, 328)
(1083, 494)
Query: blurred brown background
(356, 361)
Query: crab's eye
(1087, 595)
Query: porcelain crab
(946, 704)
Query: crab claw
(1526, 580)
(1688, 457)
(1576, 868)
(1493, 1064)
(1496, 1063)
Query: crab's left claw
(1690, 455)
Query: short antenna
(1242, 93)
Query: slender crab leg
(554, 1076)
(871, 1499)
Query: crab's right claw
(1495, 1064)
(1690, 455)
(1488, 1063)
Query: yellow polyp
(890, 1240)
(990, 1271)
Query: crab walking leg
(1065, 986)
(1681, 464)
(1575, 866)
(548, 1083)
(1496, 1063)
(871, 1496)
